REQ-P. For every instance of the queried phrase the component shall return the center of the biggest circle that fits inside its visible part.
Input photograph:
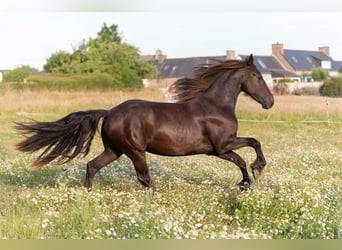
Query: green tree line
(104, 54)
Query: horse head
(255, 86)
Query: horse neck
(224, 91)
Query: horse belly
(178, 145)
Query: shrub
(18, 74)
(332, 87)
(306, 91)
(319, 74)
(73, 81)
(280, 88)
(285, 80)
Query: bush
(281, 88)
(319, 74)
(18, 74)
(306, 91)
(285, 80)
(73, 81)
(332, 87)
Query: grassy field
(299, 195)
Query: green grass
(299, 195)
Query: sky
(29, 35)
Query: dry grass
(296, 104)
(292, 108)
(60, 101)
(34, 101)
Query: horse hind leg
(140, 165)
(97, 163)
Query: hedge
(332, 87)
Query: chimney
(277, 49)
(160, 58)
(230, 54)
(278, 53)
(325, 50)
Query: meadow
(299, 195)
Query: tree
(104, 54)
(109, 34)
(58, 62)
(319, 74)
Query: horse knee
(254, 143)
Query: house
(302, 62)
(295, 65)
(171, 69)
(1, 74)
(271, 70)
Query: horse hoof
(256, 173)
(244, 185)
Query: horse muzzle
(268, 102)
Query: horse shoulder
(220, 125)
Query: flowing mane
(203, 77)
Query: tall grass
(298, 196)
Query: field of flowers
(299, 195)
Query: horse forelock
(203, 77)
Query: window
(294, 59)
(261, 63)
(309, 59)
(326, 64)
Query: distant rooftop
(305, 60)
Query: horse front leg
(258, 165)
(238, 161)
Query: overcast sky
(29, 36)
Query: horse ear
(249, 60)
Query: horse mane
(203, 77)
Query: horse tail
(63, 139)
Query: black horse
(203, 121)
